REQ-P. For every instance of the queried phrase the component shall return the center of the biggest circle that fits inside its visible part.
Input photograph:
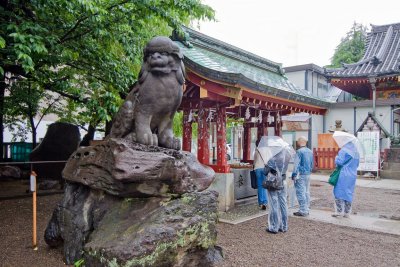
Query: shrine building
(376, 76)
(225, 82)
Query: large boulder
(106, 230)
(10, 172)
(124, 168)
(60, 141)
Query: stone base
(224, 185)
(127, 169)
(105, 230)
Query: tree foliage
(88, 52)
(351, 47)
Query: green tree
(351, 47)
(87, 52)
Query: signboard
(370, 144)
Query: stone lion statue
(147, 114)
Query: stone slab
(370, 183)
(355, 221)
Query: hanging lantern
(190, 116)
(260, 117)
(247, 113)
(270, 119)
(278, 118)
(210, 116)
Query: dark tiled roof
(226, 63)
(381, 57)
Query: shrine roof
(225, 63)
(380, 125)
(381, 57)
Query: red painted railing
(324, 158)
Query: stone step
(394, 166)
(390, 174)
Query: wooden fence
(324, 158)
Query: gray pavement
(358, 221)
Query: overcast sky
(294, 32)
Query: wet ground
(370, 202)
(307, 243)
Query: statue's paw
(176, 143)
(132, 137)
(155, 140)
(173, 143)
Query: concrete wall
(317, 128)
(297, 78)
(347, 116)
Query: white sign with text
(370, 143)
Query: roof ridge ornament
(182, 36)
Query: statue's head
(338, 123)
(163, 56)
(162, 45)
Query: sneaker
(271, 232)
(263, 207)
(300, 214)
(283, 231)
(346, 215)
(335, 215)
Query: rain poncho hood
(348, 142)
(276, 153)
(348, 159)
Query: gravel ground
(307, 243)
(16, 233)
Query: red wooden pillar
(187, 132)
(222, 164)
(262, 130)
(246, 142)
(203, 149)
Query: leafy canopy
(87, 52)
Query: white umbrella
(270, 146)
(343, 138)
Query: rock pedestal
(127, 204)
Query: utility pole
(372, 81)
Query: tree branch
(64, 37)
(89, 74)
(46, 110)
(75, 98)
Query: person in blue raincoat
(348, 159)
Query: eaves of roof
(207, 57)
(366, 103)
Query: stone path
(250, 210)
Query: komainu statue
(147, 114)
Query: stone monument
(337, 127)
(135, 199)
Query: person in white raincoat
(348, 159)
(276, 154)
